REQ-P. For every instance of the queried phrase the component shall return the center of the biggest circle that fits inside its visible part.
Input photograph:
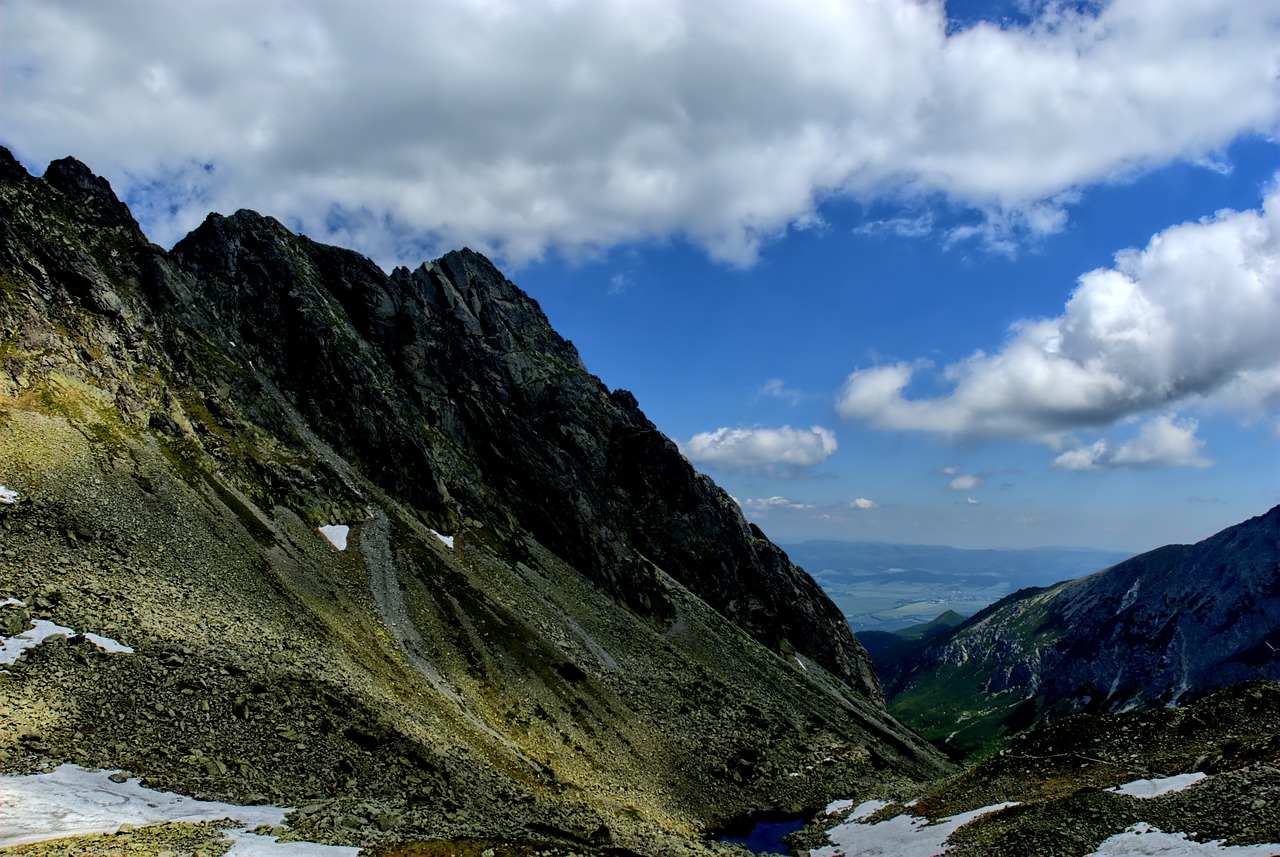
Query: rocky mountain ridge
(545, 625)
(1163, 628)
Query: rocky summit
(531, 620)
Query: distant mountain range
(886, 587)
(1162, 628)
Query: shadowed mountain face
(1162, 628)
(544, 622)
(371, 360)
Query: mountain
(1159, 629)
(533, 618)
(888, 587)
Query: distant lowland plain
(889, 587)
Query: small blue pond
(766, 836)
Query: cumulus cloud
(761, 447)
(1163, 441)
(518, 127)
(1189, 319)
(965, 482)
(863, 503)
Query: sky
(988, 273)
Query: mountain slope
(1138, 782)
(1162, 628)
(544, 623)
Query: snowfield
(73, 801)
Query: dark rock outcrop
(454, 345)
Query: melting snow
(862, 811)
(11, 648)
(108, 645)
(8, 496)
(336, 534)
(1155, 788)
(911, 836)
(448, 540)
(71, 801)
(838, 806)
(1143, 840)
(900, 836)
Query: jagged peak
(77, 182)
(10, 168)
(242, 221)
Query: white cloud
(969, 501)
(1163, 441)
(765, 504)
(1082, 458)
(1190, 318)
(863, 503)
(965, 482)
(516, 127)
(761, 447)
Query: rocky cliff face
(544, 622)
(455, 346)
(1162, 628)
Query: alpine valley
(380, 550)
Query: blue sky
(988, 274)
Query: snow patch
(836, 807)
(1157, 787)
(336, 534)
(108, 645)
(8, 496)
(1131, 596)
(11, 648)
(1115, 684)
(861, 812)
(72, 801)
(1143, 840)
(900, 836)
(448, 540)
